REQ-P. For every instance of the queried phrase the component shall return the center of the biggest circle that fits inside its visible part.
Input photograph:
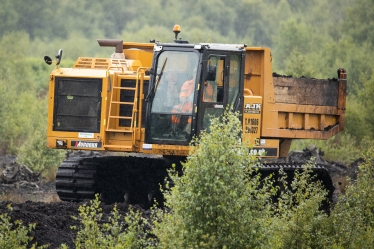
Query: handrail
(138, 103)
(108, 75)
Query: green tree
(356, 118)
(35, 154)
(251, 20)
(296, 65)
(117, 231)
(366, 98)
(19, 114)
(293, 37)
(359, 21)
(351, 221)
(343, 147)
(217, 202)
(299, 220)
(21, 93)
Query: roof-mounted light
(176, 30)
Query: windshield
(174, 90)
(173, 69)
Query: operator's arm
(185, 94)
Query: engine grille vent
(77, 104)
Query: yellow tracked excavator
(150, 99)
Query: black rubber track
(318, 170)
(318, 173)
(75, 179)
(137, 180)
(116, 179)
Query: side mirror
(49, 61)
(59, 57)
(211, 73)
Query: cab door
(219, 86)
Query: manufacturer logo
(85, 144)
(252, 108)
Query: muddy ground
(35, 201)
(53, 220)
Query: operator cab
(189, 84)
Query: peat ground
(36, 201)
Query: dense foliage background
(309, 38)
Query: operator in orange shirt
(186, 104)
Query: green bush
(15, 235)
(21, 108)
(299, 218)
(217, 203)
(343, 147)
(17, 114)
(116, 232)
(35, 154)
(299, 222)
(352, 219)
